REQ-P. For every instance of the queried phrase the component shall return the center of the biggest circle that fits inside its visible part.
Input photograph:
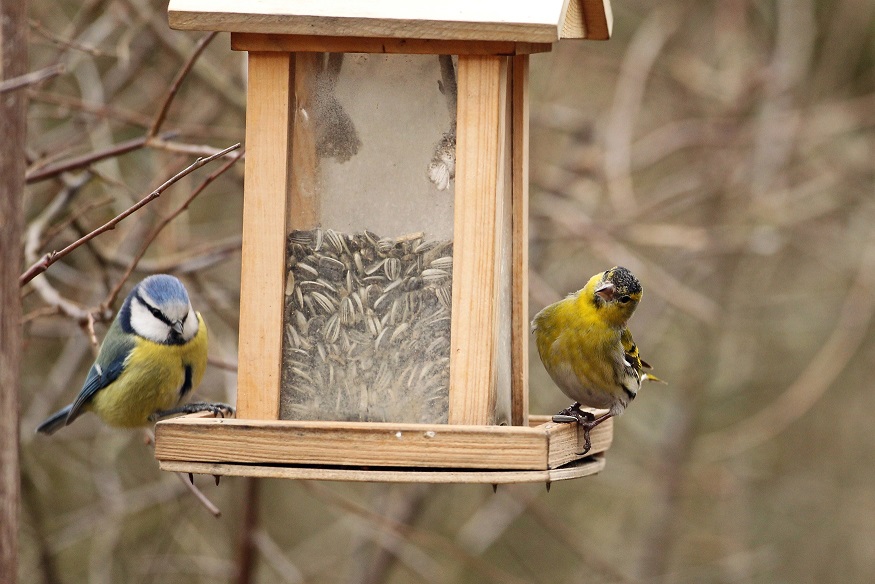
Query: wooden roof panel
(539, 21)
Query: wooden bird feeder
(383, 304)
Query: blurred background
(723, 151)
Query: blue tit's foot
(219, 410)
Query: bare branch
(31, 78)
(209, 505)
(174, 87)
(166, 221)
(77, 162)
(181, 147)
(50, 258)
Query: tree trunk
(13, 62)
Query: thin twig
(31, 78)
(177, 82)
(73, 217)
(216, 512)
(51, 257)
(182, 147)
(182, 262)
(65, 43)
(77, 162)
(189, 484)
(89, 330)
(99, 110)
(110, 299)
(33, 236)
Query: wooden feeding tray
(384, 270)
(385, 452)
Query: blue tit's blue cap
(164, 289)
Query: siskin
(589, 353)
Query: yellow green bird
(154, 354)
(588, 351)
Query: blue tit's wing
(107, 368)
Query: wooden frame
(545, 21)
(268, 148)
(580, 468)
(189, 443)
(490, 436)
(482, 187)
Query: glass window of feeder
(369, 263)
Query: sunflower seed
(364, 327)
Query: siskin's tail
(650, 377)
(55, 422)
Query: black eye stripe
(155, 312)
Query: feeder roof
(532, 21)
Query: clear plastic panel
(369, 258)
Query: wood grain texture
(520, 288)
(537, 22)
(588, 19)
(581, 468)
(262, 273)
(504, 261)
(479, 151)
(283, 442)
(244, 41)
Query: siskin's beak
(606, 291)
(176, 327)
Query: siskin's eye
(624, 299)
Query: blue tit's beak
(605, 291)
(176, 327)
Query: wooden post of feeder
(480, 161)
(520, 299)
(269, 116)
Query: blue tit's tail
(55, 422)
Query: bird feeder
(383, 302)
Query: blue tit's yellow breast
(151, 380)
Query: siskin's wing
(634, 359)
(630, 350)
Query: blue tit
(154, 354)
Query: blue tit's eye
(155, 312)
(624, 299)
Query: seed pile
(367, 327)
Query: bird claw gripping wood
(586, 420)
(219, 410)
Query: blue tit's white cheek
(146, 325)
(190, 326)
